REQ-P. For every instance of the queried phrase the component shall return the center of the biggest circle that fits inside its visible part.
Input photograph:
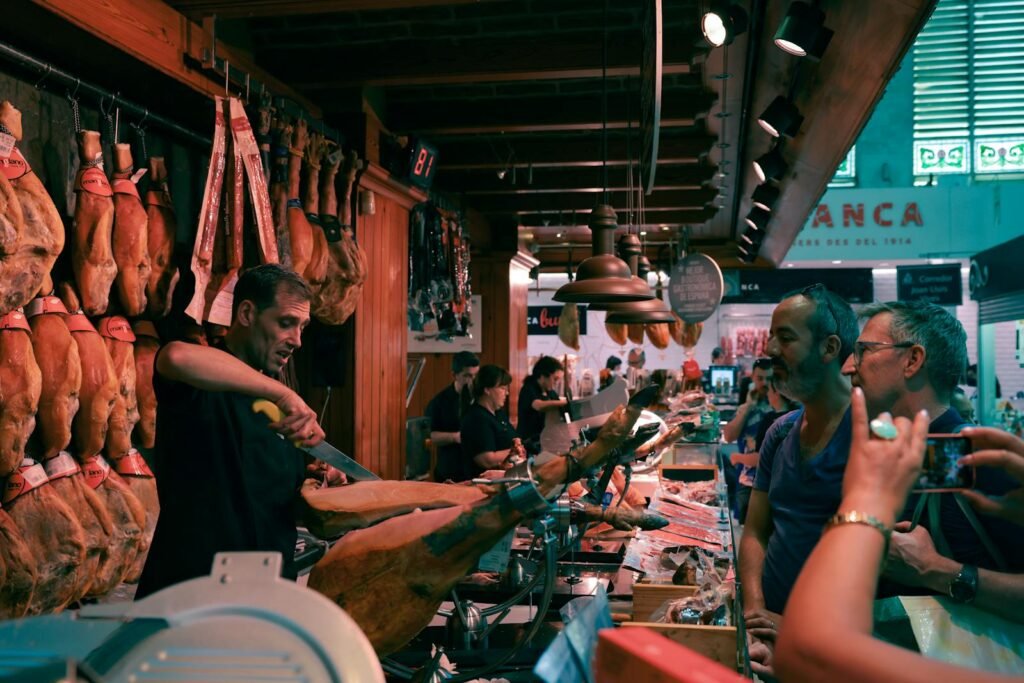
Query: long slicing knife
(322, 451)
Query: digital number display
(422, 164)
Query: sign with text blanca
(940, 284)
(695, 288)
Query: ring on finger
(884, 429)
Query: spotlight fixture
(803, 32)
(747, 256)
(770, 165)
(502, 173)
(781, 118)
(758, 218)
(765, 196)
(722, 23)
(751, 238)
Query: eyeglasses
(818, 287)
(860, 347)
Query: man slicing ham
(225, 481)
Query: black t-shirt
(443, 411)
(226, 482)
(481, 432)
(531, 422)
(964, 543)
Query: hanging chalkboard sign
(695, 288)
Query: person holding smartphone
(909, 357)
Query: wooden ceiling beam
(670, 217)
(436, 62)
(546, 180)
(585, 201)
(680, 109)
(576, 151)
(236, 9)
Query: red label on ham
(126, 186)
(96, 470)
(14, 166)
(78, 322)
(15, 320)
(159, 198)
(93, 180)
(24, 479)
(133, 465)
(116, 327)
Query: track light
(765, 196)
(722, 23)
(758, 218)
(770, 165)
(781, 118)
(502, 173)
(751, 238)
(747, 256)
(802, 31)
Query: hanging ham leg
(147, 343)
(282, 133)
(18, 572)
(31, 230)
(100, 388)
(92, 256)
(20, 386)
(392, 577)
(316, 273)
(53, 534)
(127, 462)
(131, 235)
(299, 230)
(163, 227)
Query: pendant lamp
(652, 310)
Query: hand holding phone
(941, 469)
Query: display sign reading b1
(940, 285)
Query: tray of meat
(703, 492)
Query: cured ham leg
(569, 326)
(18, 572)
(100, 388)
(20, 386)
(617, 331)
(127, 462)
(299, 230)
(130, 236)
(316, 273)
(659, 334)
(53, 534)
(31, 230)
(92, 256)
(147, 343)
(163, 227)
(392, 577)
(282, 133)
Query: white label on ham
(6, 145)
(137, 176)
(220, 308)
(62, 465)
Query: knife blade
(323, 450)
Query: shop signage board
(695, 288)
(878, 224)
(856, 285)
(940, 285)
(544, 319)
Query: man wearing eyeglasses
(802, 460)
(910, 357)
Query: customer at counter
(827, 635)
(445, 412)
(743, 428)
(488, 440)
(799, 479)
(538, 397)
(908, 358)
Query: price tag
(6, 145)
(334, 157)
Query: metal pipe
(757, 13)
(49, 72)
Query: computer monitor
(724, 378)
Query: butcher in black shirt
(225, 479)
(445, 412)
(488, 440)
(537, 397)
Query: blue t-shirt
(803, 494)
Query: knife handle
(271, 410)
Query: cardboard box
(641, 655)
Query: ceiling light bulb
(722, 23)
(765, 196)
(770, 165)
(502, 173)
(781, 118)
(758, 218)
(803, 32)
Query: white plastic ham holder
(241, 623)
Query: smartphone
(941, 470)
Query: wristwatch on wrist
(964, 587)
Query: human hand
(761, 655)
(762, 624)
(911, 555)
(299, 423)
(328, 475)
(996, 448)
(880, 472)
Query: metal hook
(227, 77)
(74, 95)
(46, 74)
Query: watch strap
(964, 586)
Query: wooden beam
(671, 217)
(435, 62)
(583, 150)
(230, 9)
(546, 180)
(161, 37)
(680, 109)
(585, 201)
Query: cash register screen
(722, 375)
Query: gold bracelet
(854, 517)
